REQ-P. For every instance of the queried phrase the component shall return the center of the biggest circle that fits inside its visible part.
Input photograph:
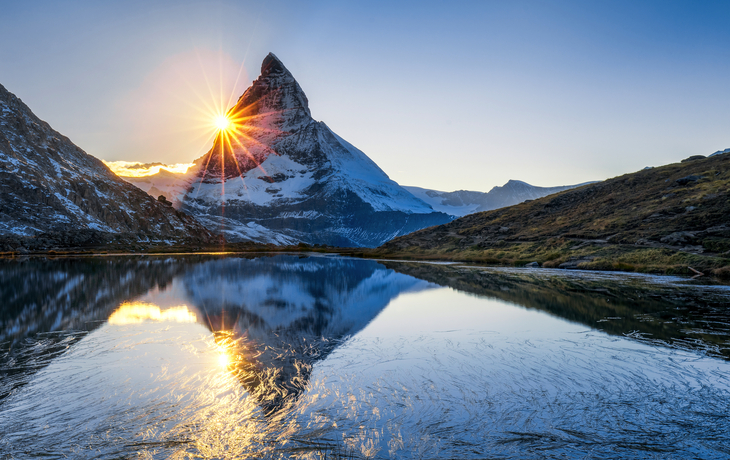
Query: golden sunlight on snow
(136, 169)
(139, 312)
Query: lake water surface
(289, 356)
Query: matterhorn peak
(273, 65)
(275, 91)
(280, 176)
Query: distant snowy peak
(720, 152)
(458, 203)
(519, 190)
(463, 202)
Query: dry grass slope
(663, 219)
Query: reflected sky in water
(324, 357)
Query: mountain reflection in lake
(324, 357)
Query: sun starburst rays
(236, 132)
(240, 135)
(222, 122)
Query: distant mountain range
(53, 194)
(279, 177)
(457, 204)
(463, 202)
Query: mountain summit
(280, 176)
(276, 90)
(272, 106)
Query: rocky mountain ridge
(53, 194)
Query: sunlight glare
(137, 169)
(222, 122)
(139, 312)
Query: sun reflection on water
(199, 390)
(224, 360)
(139, 312)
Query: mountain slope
(463, 202)
(459, 203)
(282, 170)
(54, 194)
(673, 215)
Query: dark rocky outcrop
(53, 194)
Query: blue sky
(444, 95)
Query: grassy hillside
(663, 219)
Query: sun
(222, 122)
(224, 360)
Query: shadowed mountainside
(53, 194)
(661, 218)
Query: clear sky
(444, 95)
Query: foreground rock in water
(279, 176)
(53, 194)
(654, 219)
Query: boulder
(688, 179)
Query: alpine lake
(320, 356)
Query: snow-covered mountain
(282, 171)
(167, 183)
(52, 193)
(463, 202)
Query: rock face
(284, 175)
(53, 194)
(463, 202)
